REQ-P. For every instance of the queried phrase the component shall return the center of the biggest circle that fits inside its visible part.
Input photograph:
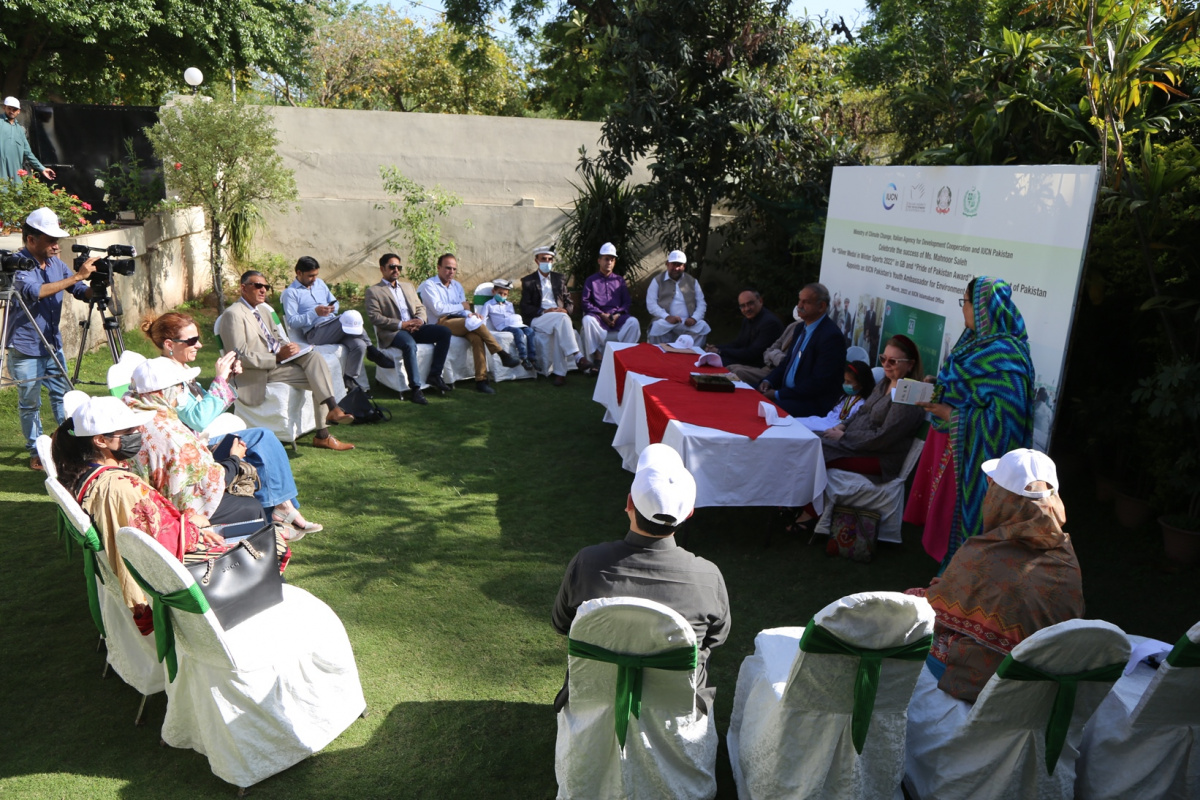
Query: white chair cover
(671, 750)
(790, 733)
(1143, 743)
(886, 499)
(44, 447)
(128, 652)
(996, 748)
(460, 364)
(263, 696)
(287, 411)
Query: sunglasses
(888, 361)
(190, 341)
(263, 286)
(390, 267)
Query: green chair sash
(191, 600)
(1186, 653)
(870, 662)
(1064, 698)
(65, 530)
(629, 674)
(89, 543)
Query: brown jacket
(383, 313)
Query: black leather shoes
(483, 388)
(441, 386)
(418, 397)
(509, 360)
(379, 358)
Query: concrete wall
(513, 174)
(172, 267)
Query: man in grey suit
(400, 321)
(245, 328)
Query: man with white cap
(649, 564)
(311, 310)
(30, 362)
(14, 145)
(676, 302)
(606, 305)
(266, 358)
(547, 306)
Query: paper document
(306, 349)
(910, 392)
(770, 414)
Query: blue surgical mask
(498, 299)
(849, 389)
(545, 267)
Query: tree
(373, 58)
(416, 216)
(113, 51)
(221, 156)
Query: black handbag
(242, 581)
(359, 405)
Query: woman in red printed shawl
(1020, 575)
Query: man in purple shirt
(606, 304)
(30, 363)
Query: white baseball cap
(121, 373)
(676, 257)
(12, 102)
(46, 221)
(684, 342)
(1016, 469)
(98, 415)
(607, 249)
(352, 323)
(160, 373)
(663, 490)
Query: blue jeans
(266, 453)
(406, 343)
(523, 339)
(33, 371)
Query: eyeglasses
(888, 361)
(390, 267)
(263, 286)
(190, 341)
(962, 301)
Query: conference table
(736, 459)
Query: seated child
(858, 383)
(498, 315)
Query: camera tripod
(8, 298)
(112, 331)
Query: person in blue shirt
(311, 313)
(35, 354)
(498, 315)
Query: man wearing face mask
(547, 308)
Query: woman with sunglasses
(177, 337)
(876, 440)
(982, 408)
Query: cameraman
(29, 362)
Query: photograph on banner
(902, 243)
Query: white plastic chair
(1143, 742)
(791, 734)
(845, 488)
(287, 411)
(996, 748)
(670, 749)
(260, 697)
(130, 654)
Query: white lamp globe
(193, 76)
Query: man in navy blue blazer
(809, 382)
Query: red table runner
(647, 359)
(735, 412)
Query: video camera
(12, 262)
(118, 260)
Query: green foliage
(224, 160)
(20, 197)
(348, 292)
(135, 52)
(278, 270)
(370, 57)
(415, 216)
(132, 184)
(605, 210)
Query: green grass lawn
(446, 534)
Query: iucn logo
(890, 195)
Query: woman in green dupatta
(982, 408)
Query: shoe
(293, 534)
(330, 443)
(583, 364)
(418, 397)
(483, 388)
(379, 358)
(35, 463)
(527, 364)
(508, 360)
(441, 385)
(559, 380)
(336, 416)
(288, 520)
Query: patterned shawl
(988, 380)
(173, 459)
(1002, 586)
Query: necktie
(790, 380)
(272, 342)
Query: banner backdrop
(901, 244)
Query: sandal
(290, 520)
